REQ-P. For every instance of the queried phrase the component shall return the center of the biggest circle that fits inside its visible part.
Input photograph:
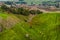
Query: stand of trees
(21, 10)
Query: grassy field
(41, 27)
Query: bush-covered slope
(41, 27)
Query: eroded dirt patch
(9, 21)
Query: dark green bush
(35, 12)
(4, 7)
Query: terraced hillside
(41, 27)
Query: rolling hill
(41, 27)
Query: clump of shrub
(4, 8)
(35, 12)
(23, 11)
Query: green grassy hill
(41, 27)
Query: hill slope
(41, 27)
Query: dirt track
(48, 11)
